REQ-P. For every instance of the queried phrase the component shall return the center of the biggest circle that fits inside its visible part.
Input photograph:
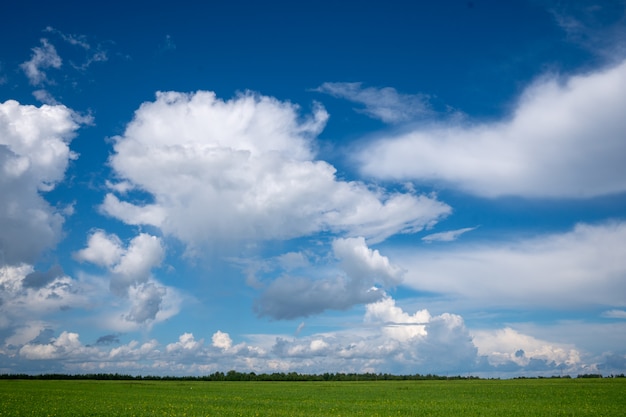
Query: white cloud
(565, 138)
(385, 103)
(505, 346)
(221, 340)
(76, 40)
(397, 323)
(34, 154)
(244, 169)
(615, 314)
(186, 343)
(582, 267)
(147, 300)
(102, 249)
(81, 41)
(67, 344)
(43, 57)
(144, 252)
(448, 236)
(596, 26)
(24, 302)
(45, 97)
(360, 278)
(359, 261)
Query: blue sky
(435, 187)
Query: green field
(524, 397)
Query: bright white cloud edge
(564, 139)
(581, 268)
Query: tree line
(233, 375)
(242, 376)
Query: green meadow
(518, 397)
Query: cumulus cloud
(31, 299)
(186, 343)
(221, 340)
(34, 154)
(244, 169)
(131, 277)
(397, 324)
(102, 249)
(563, 139)
(361, 278)
(385, 103)
(43, 57)
(66, 345)
(143, 253)
(28, 294)
(583, 267)
(507, 346)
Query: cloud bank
(388, 339)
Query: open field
(529, 397)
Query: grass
(530, 397)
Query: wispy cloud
(384, 103)
(448, 236)
(42, 58)
(76, 40)
(615, 314)
(597, 26)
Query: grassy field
(530, 397)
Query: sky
(388, 187)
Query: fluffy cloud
(26, 299)
(507, 346)
(131, 277)
(31, 301)
(244, 169)
(34, 154)
(186, 343)
(222, 340)
(362, 277)
(385, 104)
(580, 268)
(43, 57)
(66, 345)
(102, 249)
(565, 138)
(397, 324)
